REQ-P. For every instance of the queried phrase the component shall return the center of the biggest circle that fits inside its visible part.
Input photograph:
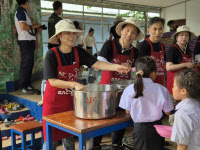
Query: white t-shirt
(21, 16)
(89, 41)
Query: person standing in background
(27, 44)
(89, 41)
(79, 42)
(53, 19)
(118, 19)
(172, 25)
(197, 46)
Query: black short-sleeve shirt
(51, 62)
(175, 56)
(197, 48)
(52, 21)
(107, 51)
(112, 30)
(144, 48)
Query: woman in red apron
(179, 55)
(61, 66)
(119, 51)
(153, 47)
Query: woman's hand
(122, 69)
(126, 65)
(189, 65)
(79, 87)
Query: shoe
(4, 138)
(4, 102)
(30, 87)
(3, 111)
(26, 92)
(12, 107)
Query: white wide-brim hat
(183, 29)
(134, 22)
(64, 25)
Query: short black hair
(91, 29)
(170, 22)
(57, 5)
(21, 2)
(76, 24)
(198, 38)
(155, 20)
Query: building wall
(187, 10)
(9, 49)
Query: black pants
(27, 49)
(52, 45)
(117, 137)
(145, 137)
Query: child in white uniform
(186, 128)
(146, 101)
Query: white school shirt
(186, 127)
(89, 41)
(149, 107)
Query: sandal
(19, 119)
(3, 111)
(4, 138)
(28, 119)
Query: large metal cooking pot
(121, 85)
(99, 101)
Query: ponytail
(144, 67)
(138, 84)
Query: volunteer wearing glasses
(61, 66)
(119, 51)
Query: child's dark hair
(57, 5)
(190, 80)
(155, 20)
(21, 2)
(147, 65)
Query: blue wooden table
(84, 129)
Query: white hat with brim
(183, 28)
(64, 25)
(134, 22)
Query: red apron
(171, 74)
(108, 76)
(58, 100)
(159, 59)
